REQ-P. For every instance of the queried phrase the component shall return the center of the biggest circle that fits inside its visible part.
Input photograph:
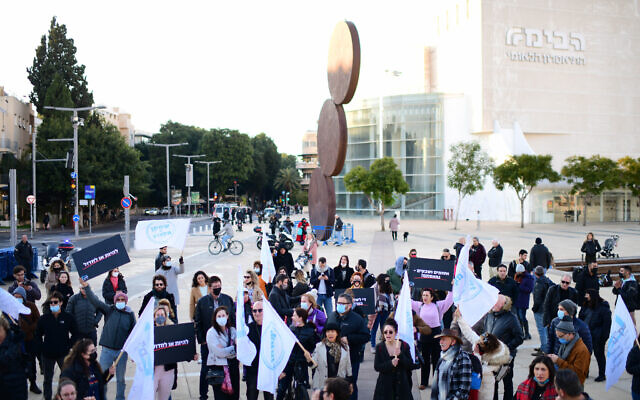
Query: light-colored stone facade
(16, 124)
(309, 157)
(122, 121)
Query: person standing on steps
(540, 254)
(590, 248)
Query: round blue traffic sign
(125, 202)
(76, 217)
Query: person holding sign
(221, 340)
(169, 270)
(430, 311)
(163, 375)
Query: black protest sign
(101, 257)
(429, 273)
(362, 298)
(174, 343)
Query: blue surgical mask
(222, 321)
(541, 383)
(161, 319)
(560, 314)
(304, 305)
(121, 305)
(20, 299)
(54, 309)
(563, 340)
(341, 308)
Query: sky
(254, 66)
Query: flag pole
(315, 364)
(114, 364)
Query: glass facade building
(413, 136)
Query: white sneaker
(373, 350)
(199, 360)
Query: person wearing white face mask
(113, 282)
(170, 270)
(221, 341)
(119, 322)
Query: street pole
(188, 184)
(166, 146)
(208, 181)
(33, 177)
(90, 204)
(13, 207)
(127, 214)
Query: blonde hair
(311, 300)
(158, 308)
(165, 302)
(300, 277)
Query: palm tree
(288, 179)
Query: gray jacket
(84, 313)
(172, 279)
(118, 323)
(322, 370)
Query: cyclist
(227, 233)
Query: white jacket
(321, 370)
(218, 355)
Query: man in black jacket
(23, 254)
(202, 319)
(627, 287)
(86, 315)
(522, 259)
(30, 286)
(158, 292)
(284, 259)
(540, 255)
(555, 295)
(368, 278)
(353, 329)
(586, 278)
(160, 257)
(55, 330)
(507, 286)
(502, 323)
(322, 279)
(540, 290)
(279, 298)
(255, 332)
(495, 257)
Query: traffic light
(73, 185)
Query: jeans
(225, 239)
(107, 357)
(31, 354)
(338, 237)
(88, 335)
(507, 381)
(49, 365)
(521, 313)
(542, 331)
(204, 386)
(381, 317)
(326, 302)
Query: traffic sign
(89, 191)
(76, 218)
(84, 202)
(125, 202)
(74, 175)
(31, 199)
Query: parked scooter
(283, 239)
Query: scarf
(334, 349)
(441, 385)
(565, 349)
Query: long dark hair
(488, 343)
(75, 355)
(194, 282)
(594, 299)
(215, 324)
(548, 363)
(340, 260)
(383, 286)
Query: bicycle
(235, 247)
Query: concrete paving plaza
(428, 237)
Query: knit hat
(519, 268)
(313, 293)
(570, 306)
(566, 326)
(122, 295)
(332, 326)
(20, 290)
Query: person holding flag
(621, 339)
(255, 334)
(139, 347)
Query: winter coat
(394, 383)
(540, 255)
(495, 256)
(33, 294)
(86, 315)
(321, 369)
(342, 283)
(507, 287)
(204, 313)
(219, 355)
(526, 389)
(108, 292)
(65, 290)
(477, 255)
(194, 296)
(281, 302)
(633, 367)
(540, 289)
(319, 318)
(506, 327)
(299, 289)
(353, 327)
(311, 245)
(55, 334)
(339, 223)
(555, 295)
(308, 338)
(157, 296)
(76, 373)
(598, 320)
(552, 340)
(315, 282)
(459, 377)
(13, 377)
(255, 333)
(395, 280)
(171, 274)
(511, 269)
(394, 224)
(584, 280)
(590, 248)
(52, 278)
(578, 360)
(29, 322)
(23, 254)
(284, 260)
(118, 324)
(525, 287)
(629, 293)
(158, 260)
(457, 247)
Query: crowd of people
(456, 360)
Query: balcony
(304, 182)
(306, 165)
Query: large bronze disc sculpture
(343, 70)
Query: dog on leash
(405, 236)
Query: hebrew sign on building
(545, 46)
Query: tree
(590, 176)
(56, 55)
(468, 168)
(288, 179)
(379, 184)
(288, 161)
(522, 173)
(266, 162)
(630, 174)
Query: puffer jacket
(13, 378)
(584, 280)
(118, 323)
(540, 289)
(506, 327)
(598, 320)
(552, 340)
(86, 315)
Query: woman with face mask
(56, 265)
(316, 315)
(221, 341)
(64, 288)
(81, 367)
(342, 273)
(257, 268)
(113, 282)
(539, 385)
(252, 284)
(163, 375)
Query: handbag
(215, 376)
(226, 384)
(503, 370)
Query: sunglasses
(247, 277)
(566, 283)
(257, 311)
(54, 302)
(388, 332)
(159, 285)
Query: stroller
(609, 246)
(302, 261)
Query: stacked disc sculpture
(342, 72)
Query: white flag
(162, 232)
(139, 347)
(246, 349)
(276, 344)
(621, 339)
(404, 317)
(268, 269)
(473, 297)
(11, 305)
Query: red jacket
(526, 388)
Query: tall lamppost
(166, 147)
(208, 180)
(188, 182)
(76, 122)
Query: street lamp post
(189, 184)
(166, 146)
(208, 180)
(76, 122)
